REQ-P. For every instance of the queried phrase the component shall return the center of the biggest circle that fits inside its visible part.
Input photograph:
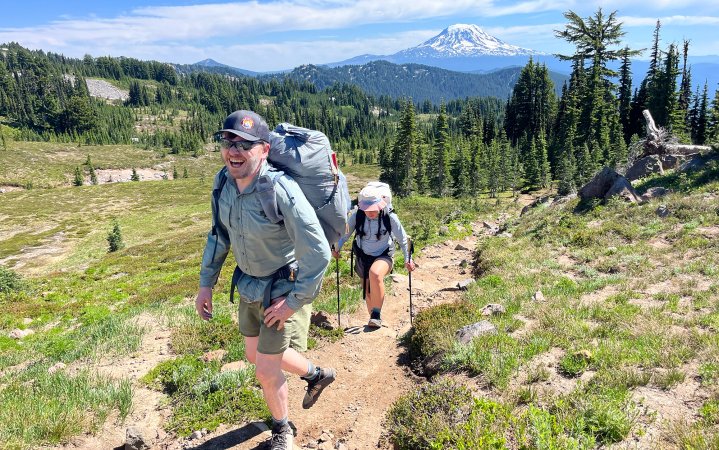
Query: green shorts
(271, 341)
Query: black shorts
(364, 261)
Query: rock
(214, 355)
(134, 440)
(462, 247)
(693, 163)
(623, 188)
(398, 278)
(55, 367)
(671, 161)
(464, 284)
(325, 446)
(662, 211)
(506, 234)
(321, 319)
(562, 199)
(234, 365)
(489, 225)
(466, 334)
(493, 309)
(443, 230)
(598, 186)
(644, 167)
(525, 209)
(19, 334)
(655, 192)
(538, 296)
(341, 446)
(197, 434)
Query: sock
(375, 313)
(312, 372)
(276, 424)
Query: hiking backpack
(307, 157)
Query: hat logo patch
(247, 123)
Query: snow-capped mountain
(462, 40)
(458, 47)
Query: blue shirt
(369, 243)
(261, 247)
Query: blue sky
(276, 35)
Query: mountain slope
(414, 80)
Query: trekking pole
(337, 271)
(411, 309)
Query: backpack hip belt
(286, 272)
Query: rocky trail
(372, 372)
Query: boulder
(671, 161)
(464, 284)
(493, 309)
(655, 192)
(644, 167)
(469, 332)
(134, 440)
(321, 319)
(662, 211)
(600, 184)
(214, 355)
(623, 188)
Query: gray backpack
(307, 157)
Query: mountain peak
(466, 40)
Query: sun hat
(370, 199)
(248, 125)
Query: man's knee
(268, 368)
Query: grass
(624, 311)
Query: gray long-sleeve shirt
(369, 242)
(261, 247)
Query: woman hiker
(376, 228)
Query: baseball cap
(370, 199)
(248, 125)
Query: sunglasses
(239, 145)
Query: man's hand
(278, 312)
(409, 266)
(203, 303)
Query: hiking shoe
(315, 388)
(282, 438)
(374, 323)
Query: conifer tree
(625, 93)
(175, 175)
(420, 170)
(185, 175)
(460, 172)
(134, 176)
(114, 238)
(713, 121)
(700, 130)
(79, 178)
(398, 174)
(93, 176)
(441, 164)
(566, 173)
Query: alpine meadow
(565, 231)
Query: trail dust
(372, 372)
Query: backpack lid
(371, 199)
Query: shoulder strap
(386, 220)
(268, 196)
(359, 223)
(216, 192)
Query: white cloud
(629, 21)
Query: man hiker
(376, 228)
(279, 267)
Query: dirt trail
(371, 372)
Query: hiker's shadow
(231, 439)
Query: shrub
(445, 415)
(79, 179)
(10, 281)
(134, 176)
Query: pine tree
(79, 178)
(114, 238)
(175, 175)
(398, 173)
(134, 176)
(3, 142)
(460, 172)
(566, 173)
(625, 93)
(702, 118)
(93, 176)
(713, 121)
(441, 164)
(185, 175)
(543, 170)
